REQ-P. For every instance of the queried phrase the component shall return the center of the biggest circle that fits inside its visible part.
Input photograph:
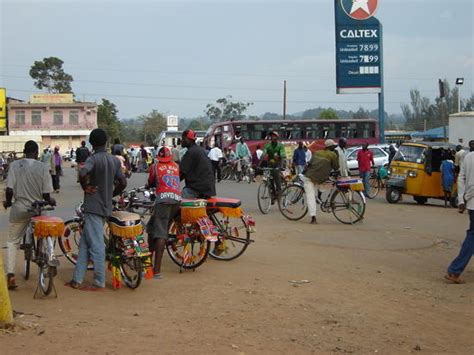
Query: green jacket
(320, 166)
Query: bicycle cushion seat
(125, 224)
(47, 226)
(215, 202)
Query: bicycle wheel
(292, 202)
(374, 183)
(187, 252)
(46, 273)
(264, 197)
(69, 241)
(234, 237)
(348, 206)
(132, 271)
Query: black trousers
(56, 178)
(216, 168)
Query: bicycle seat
(125, 224)
(47, 226)
(223, 202)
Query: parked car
(380, 152)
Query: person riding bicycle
(274, 153)
(243, 154)
(28, 181)
(101, 178)
(196, 169)
(318, 171)
(164, 176)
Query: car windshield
(410, 153)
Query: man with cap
(274, 153)
(365, 159)
(28, 181)
(56, 169)
(318, 171)
(466, 201)
(101, 178)
(196, 169)
(164, 176)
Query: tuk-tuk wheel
(393, 194)
(420, 200)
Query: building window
(57, 117)
(74, 117)
(20, 117)
(36, 118)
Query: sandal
(73, 284)
(11, 282)
(454, 278)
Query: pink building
(59, 121)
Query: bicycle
(375, 183)
(38, 246)
(267, 192)
(345, 200)
(126, 249)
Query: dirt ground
(373, 287)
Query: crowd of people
(102, 176)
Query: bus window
(296, 132)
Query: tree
(107, 119)
(468, 104)
(153, 123)
(328, 114)
(361, 114)
(49, 74)
(226, 110)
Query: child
(164, 176)
(447, 178)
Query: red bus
(312, 133)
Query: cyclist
(318, 171)
(28, 181)
(196, 169)
(243, 154)
(274, 153)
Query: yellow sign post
(6, 315)
(3, 109)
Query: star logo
(359, 9)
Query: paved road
(374, 286)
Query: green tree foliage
(422, 113)
(198, 125)
(107, 119)
(226, 110)
(468, 104)
(49, 74)
(328, 114)
(153, 123)
(361, 114)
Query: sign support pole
(381, 93)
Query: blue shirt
(299, 156)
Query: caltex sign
(358, 47)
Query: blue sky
(177, 56)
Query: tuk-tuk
(415, 170)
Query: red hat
(190, 134)
(164, 155)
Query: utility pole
(284, 99)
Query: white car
(380, 152)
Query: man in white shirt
(459, 157)
(215, 154)
(466, 201)
(308, 154)
(341, 152)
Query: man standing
(28, 181)
(459, 157)
(175, 154)
(82, 153)
(365, 159)
(318, 171)
(56, 168)
(101, 178)
(299, 159)
(216, 156)
(466, 201)
(308, 154)
(46, 157)
(341, 153)
(196, 169)
(143, 157)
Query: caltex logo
(359, 9)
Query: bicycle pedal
(53, 263)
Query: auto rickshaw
(415, 170)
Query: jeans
(299, 169)
(467, 249)
(365, 175)
(187, 192)
(91, 246)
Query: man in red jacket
(365, 158)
